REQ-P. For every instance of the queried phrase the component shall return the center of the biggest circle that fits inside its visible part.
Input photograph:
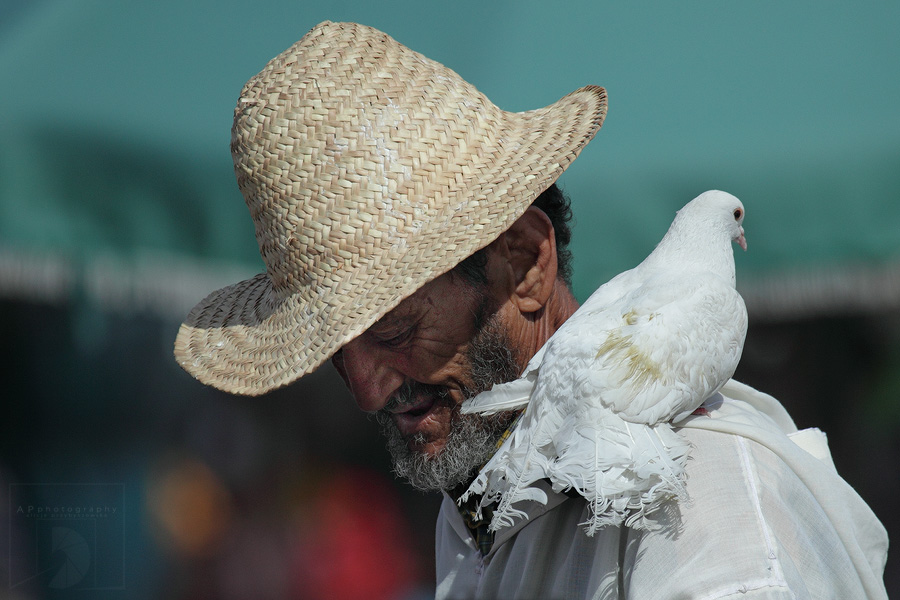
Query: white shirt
(768, 517)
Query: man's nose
(368, 373)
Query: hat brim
(246, 339)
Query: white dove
(645, 350)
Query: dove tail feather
(625, 471)
(507, 477)
(502, 397)
(532, 468)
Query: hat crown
(335, 140)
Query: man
(413, 235)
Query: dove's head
(720, 211)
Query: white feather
(503, 397)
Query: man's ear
(529, 247)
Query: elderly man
(413, 235)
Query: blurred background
(119, 211)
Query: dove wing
(671, 344)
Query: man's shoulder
(766, 505)
(738, 403)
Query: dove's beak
(741, 240)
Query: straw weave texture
(368, 170)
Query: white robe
(768, 517)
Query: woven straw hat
(369, 170)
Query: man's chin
(426, 445)
(448, 461)
(427, 449)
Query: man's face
(416, 366)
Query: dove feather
(504, 397)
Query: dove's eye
(738, 213)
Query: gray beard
(473, 438)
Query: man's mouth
(410, 419)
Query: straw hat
(369, 170)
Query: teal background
(116, 117)
(119, 210)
